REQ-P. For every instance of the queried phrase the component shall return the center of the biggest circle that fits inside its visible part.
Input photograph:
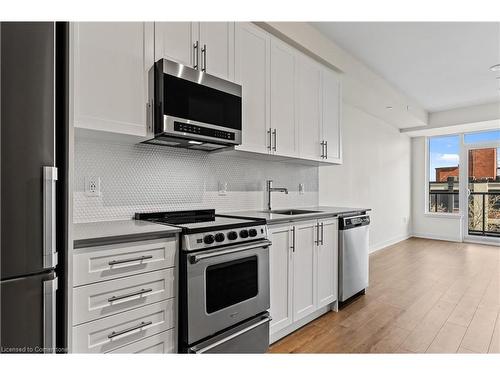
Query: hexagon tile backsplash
(140, 178)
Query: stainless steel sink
(292, 212)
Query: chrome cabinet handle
(322, 143)
(113, 262)
(322, 233)
(204, 53)
(49, 217)
(270, 147)
(317, 235)
(142, 291)
(126, 330)
(326, 149)
(275, 138)
(293, 239)
(195, 55)
(230, 250)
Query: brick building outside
(482, 166)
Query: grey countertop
(108, 232)
(273, 218)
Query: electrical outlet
(92, 186)
(301, 189)
(222, 188)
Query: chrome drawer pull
(126, 330)
(113, 262)
(116, 298)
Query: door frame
(464, 189)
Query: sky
(445, 150)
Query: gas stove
(203, 229)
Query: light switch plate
(301, 189)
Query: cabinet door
(252, 62)
(175, 41)
(327, 258)
(283, 108)
(217, 48)
(280, 278)
(331, 102)
(304, 271)
(309, 106)
(111, 60)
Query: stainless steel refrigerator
(33, 65)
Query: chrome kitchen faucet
(270, 189)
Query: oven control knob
(252, 232)
(243, 233)
(219, 237)
(232, 235)
(209, 239)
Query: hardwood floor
(424, 296)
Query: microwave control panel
(200, 130)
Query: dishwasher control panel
(354, 221)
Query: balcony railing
(484, 214)
(483, 207)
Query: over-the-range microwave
(192, 109)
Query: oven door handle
(230, 337)
(234, 249)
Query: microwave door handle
(236, 249)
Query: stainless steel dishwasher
(353, 255)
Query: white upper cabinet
(280, 277)
(304, 273)
(216, 43)
(327, 260)
(176, 41)
(252, 62)
(309, 107)
(331, 109)
(206, 46)
(111, 61)
(283, 99)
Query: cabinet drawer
(99, 300)
(157, 344)
(102, 263)
(113, 332)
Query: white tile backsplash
(139, 178)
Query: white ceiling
(442, 65)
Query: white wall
(375, 174)
(428, 225)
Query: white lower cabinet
(113, 332)
(124, 298)
(303, 272)
(281, 277)
(158, 344)
(327, 262)
(304, 269)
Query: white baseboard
(389, 242)
(436, 237)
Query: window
(443, 174)
(488, 136)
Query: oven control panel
(198, 241)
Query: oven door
(226, 286)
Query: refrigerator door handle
(49, 315)
(49, 217)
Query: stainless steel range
(224, 281)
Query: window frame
(427, 212)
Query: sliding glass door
(482, 190)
